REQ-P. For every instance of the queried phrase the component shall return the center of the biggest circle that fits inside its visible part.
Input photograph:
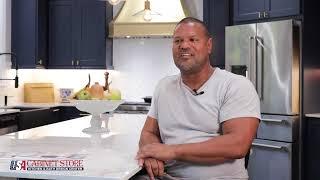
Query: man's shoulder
(169, 80)
(230, 77)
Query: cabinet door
(55, 115)
(91, 44)
(216, 17)
(311, 149)
(61, 33)
(282, 8)
(34, 118)
(248, 9)
(29, 37)
(42, 30)
(77, 34)
(270, 160)
(71, 112)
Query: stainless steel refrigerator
(269, 55)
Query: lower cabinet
(8, 123)
(272, 160)
(70, 112)
(37, 117)
(311, 149)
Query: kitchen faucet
(16, 79)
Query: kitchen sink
(133, 108)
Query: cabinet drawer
(270, 160)
(280, 128)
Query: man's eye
(177, 41)
(194, 40)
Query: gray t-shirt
(186, 118)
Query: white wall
(5, 40)
(5, 45)
(139, 64)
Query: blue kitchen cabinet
(281, 8)
(78, 34)
(246, 10)
(311, 148)
(61, 25)
(29, 32)
(216, 17)
(94, 38)
(71, 112)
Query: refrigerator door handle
(273, 120)
(270, 146)
(260, 41)
(259, 65)
(250, 73)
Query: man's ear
(210, 45)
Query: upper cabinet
(216, 17)
(61, 25)
(29, 33)
(78, 34)
(246, 10)
(62, 34)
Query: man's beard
(188, 67)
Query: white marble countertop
(38, 105)
(315, 115)
(8, 111)
(105, 156)
(10, 108)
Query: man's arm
(234, 143)
(150, 132)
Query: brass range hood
(147, 18)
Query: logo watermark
(47, 165)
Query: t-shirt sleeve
(240, 100)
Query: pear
(112, 94)
(96, 91)
(84, 95)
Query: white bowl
(96, 107)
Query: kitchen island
(102, 156)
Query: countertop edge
(314, 115)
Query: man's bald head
(195, 20)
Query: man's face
(191, 47)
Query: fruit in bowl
(83, 95)
(112, 94)
(96, 91)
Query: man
(202, 122)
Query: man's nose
(184, 45)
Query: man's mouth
(185, 54)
